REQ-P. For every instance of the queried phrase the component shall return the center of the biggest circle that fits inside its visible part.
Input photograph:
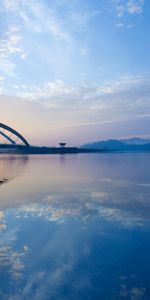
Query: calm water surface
(75, 227)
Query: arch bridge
(10, 136)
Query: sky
(75, 70)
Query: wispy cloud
(128, 90)
(90, 205)
(10, 47)
(11, 5)
(134, 293)
(11, 260)
(52, 35)
(83, 16)
(129, 7)
(35, 17)
(50, 53)
(81, 106)
(3, 225)
(135, 6)
(2, 82)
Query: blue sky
(75, 70)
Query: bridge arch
(9, 130)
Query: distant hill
(136, 141)
(132, 144)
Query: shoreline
(35, 150)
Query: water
(75, 227)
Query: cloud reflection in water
(85, 240)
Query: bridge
(9, 136)
(11, 141)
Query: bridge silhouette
(11, 136)
(13, 141)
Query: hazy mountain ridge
(135, 141)
(131, 144)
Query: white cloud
(11, 5)
(127, 91)
(36, 17)
(10, 259)
(120, 10)
(135, 6)
(123, 84)
(84, 106)
(119, 25)
(137, 293)
(3, 225)
(130, 7)
(10, 46)
(39, 25)
(134, 293)
(2, 82)
(107, 203)
(54, 36)
(2, 78)
(83, 16)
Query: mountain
(110, 144)
(136, 141)
(132, 144)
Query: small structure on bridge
(62, 145)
